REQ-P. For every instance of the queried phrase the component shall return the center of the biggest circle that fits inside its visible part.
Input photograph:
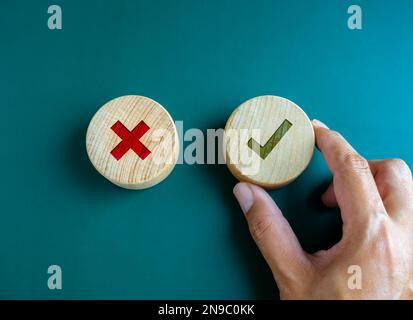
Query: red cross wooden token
(133, 142)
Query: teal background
(186, 237)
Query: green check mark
(265, 150)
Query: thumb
(272, 234)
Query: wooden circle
(268, 141)
(133, 142)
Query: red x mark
(130, 140)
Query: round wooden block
(133, 142)
(268, 141)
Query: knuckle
(354, 161)
(367, 228)
(398, 165)
(260, 228)
(333, 135)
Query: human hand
(376, 203)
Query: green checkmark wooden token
(268, 141)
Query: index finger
(354, 186)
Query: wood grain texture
(120, 118)
(261, 147)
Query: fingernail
(318, 123)
(244, 195)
